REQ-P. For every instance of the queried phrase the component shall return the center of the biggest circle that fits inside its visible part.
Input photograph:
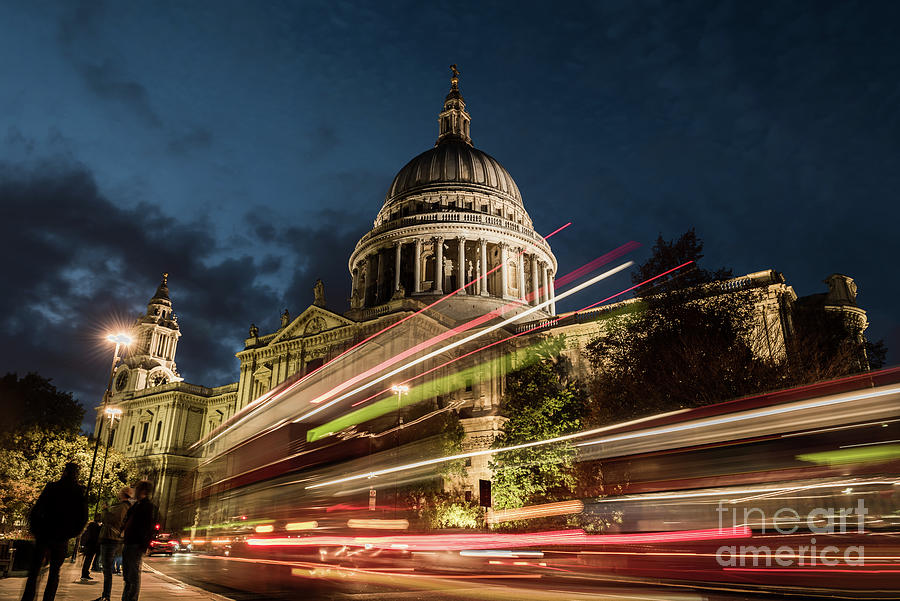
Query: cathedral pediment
(311, 322)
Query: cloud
(78, 29)
(317, 252)
(106, 82)
(197, 138)
(80, 261)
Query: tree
(828, 344)
(541, 402)
(691, 342)
(670, 254)
(31, 458)
(687, 343)
(39, 438)
(34, 401)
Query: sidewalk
(155, 586)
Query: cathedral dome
(453, 164)
(453, 223)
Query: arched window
(158, 430)
(144, 431)
(131, 435)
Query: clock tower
(150, 361)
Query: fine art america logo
(789, 521)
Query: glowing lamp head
(113, 412)
(120, 338)
(400, 389)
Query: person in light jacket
(111, 537)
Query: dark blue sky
(245, 146)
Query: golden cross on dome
(454, 80)
(166, 278)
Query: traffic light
(157, 526)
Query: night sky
(245, 146)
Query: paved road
(240, 579)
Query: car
(164, 543)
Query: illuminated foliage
(39, 438)
(31, 458)
(449, 514)
(541, 402)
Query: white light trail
(526, 445)
(630, 435)
(742, 417)
(469, 338)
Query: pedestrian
(140, 524)
(58, 515)
(90, 540)
(111, 536)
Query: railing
(759, 279)
(379, 310)
(455, 217)
(182, 387)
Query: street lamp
(114, 414)
(400, 389)
(121, 340)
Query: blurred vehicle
(165, 543)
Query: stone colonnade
(496, 268)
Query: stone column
(552, 296)
(461, 265)
(482, 283)
(535, 284)
(438, 285)
(417, 268)
(379, 275)
(521, 263)
(545, 291)
(504, 268)
(397, 246)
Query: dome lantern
(454, 120)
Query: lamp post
(120, 340)
(400, 389)
(114, 414)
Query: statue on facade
(285, 318)
(356, 299)
(254, 331)
(319, 294)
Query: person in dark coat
(140, 526)
(90, 540)
(58, 515)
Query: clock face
(121, 381)
(157, 379)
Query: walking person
(140, 524)
(111, 536)
(90, 539)
(58, 515)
